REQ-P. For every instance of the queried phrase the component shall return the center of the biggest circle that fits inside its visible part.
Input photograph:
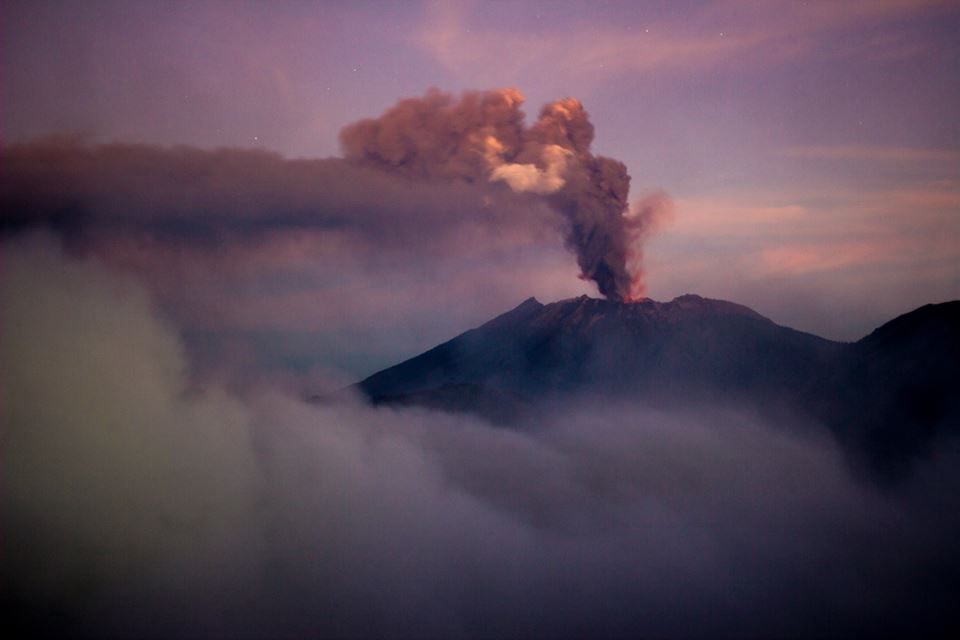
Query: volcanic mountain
(885, 397)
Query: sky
(809, 153)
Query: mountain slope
(885, 397)
(898, 389)
(690, 344)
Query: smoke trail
(482, 137)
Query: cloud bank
(134, 505)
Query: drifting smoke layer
(234, 196)
(134, 508)
(233, 239)
(482, 137)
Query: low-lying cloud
(134, 504)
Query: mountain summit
(653, 348)
(885, 397)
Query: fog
(136, 504)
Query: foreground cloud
(135, 506)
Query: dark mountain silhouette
(885, 397)
(897, 389)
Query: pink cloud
(809, 258)
(869, 153)
(719, 34)
(817, 257)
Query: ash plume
(481, 137)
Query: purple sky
(812, 149)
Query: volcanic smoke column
(482, 137)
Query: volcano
(885, 397)
(648, 348)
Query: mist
(136, 504)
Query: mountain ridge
(886, 397)
(531, 325)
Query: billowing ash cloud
(482, 137)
